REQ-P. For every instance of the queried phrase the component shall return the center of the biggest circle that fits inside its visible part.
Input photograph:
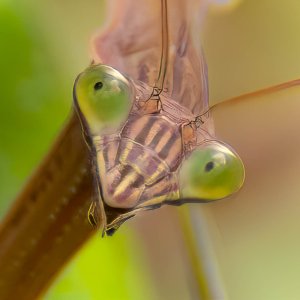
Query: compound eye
(103, 96)
(213, 171)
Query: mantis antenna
(164, 50)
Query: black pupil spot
(209, 166)
(98, 86)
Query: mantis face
(144, 152)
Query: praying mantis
(70, 193)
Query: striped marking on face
(110, 154)
(126, 180)
(167, 188)
(162, 138)
(154, 134)
(123, 187)
(140, 162)
(158, 135)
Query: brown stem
(47, 223)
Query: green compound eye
(103, 96)
(212, 172)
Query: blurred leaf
(110, 268)
(32, 106)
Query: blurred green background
(44, 44)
